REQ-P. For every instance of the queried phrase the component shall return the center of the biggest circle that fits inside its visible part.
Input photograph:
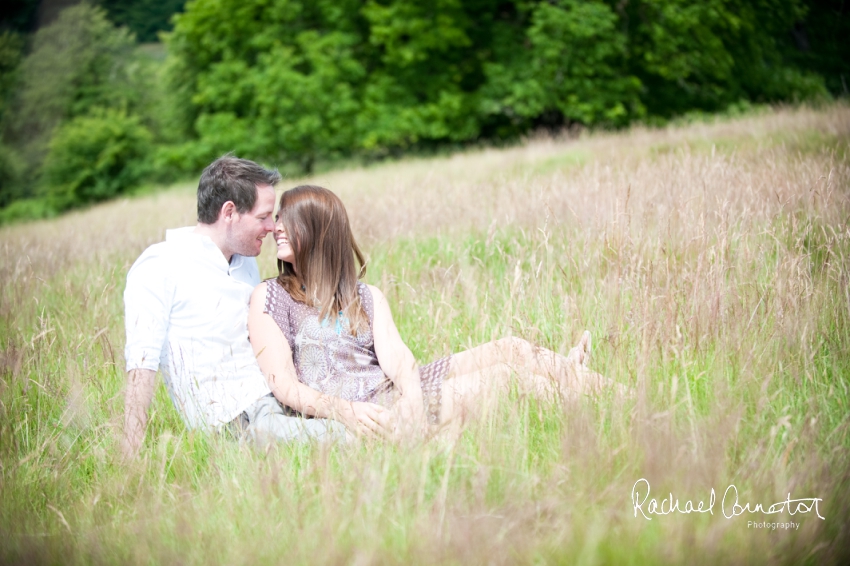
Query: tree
(95, 157)
(426, 71)
(291, 80)
(78, 102)
(285, 89)
(707, 55)
(818, 42)
(77, 63)
(570, 68)
(11, 51)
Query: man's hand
(137, 400)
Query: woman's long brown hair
(319, 233)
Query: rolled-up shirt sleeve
(147, 307)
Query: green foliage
(11, 51)
(296, 82)
(283, 90)
(27, 209)
(77, 63)
(320, 79)
(818, 43)
(708, 55)
(93, 158)
(426, 71)
(11, 173)
(79, 66)
(572, 69)
(145, 18)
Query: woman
(329, 347)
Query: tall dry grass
(709, 260)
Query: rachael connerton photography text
(730, 505)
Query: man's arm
(137, 400)
(147, 307)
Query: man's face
(248, 230)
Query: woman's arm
(275, 359)
(398, 363)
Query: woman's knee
(515, 350)
(511, 351)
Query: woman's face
(284, 248)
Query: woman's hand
(409, 412)
(369, 419)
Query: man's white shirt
(186, 312)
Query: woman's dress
(330, 360)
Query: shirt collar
(199, 243)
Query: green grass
(715, 282)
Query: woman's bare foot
(583, 379)
(579, 355)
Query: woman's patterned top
(330, 360)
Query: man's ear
(228, 209)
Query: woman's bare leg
(474, 393)
(481, 374)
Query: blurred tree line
(89, 108)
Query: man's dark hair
(229, 178)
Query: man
(186, 308)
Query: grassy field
(711, 262)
